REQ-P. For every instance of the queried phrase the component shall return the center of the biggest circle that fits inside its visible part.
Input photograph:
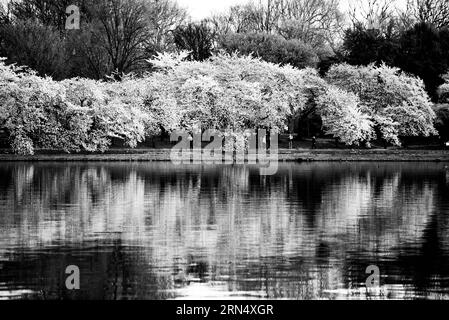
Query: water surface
(159, 231)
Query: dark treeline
(114, 36)
(120, 35)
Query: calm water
(158, 231)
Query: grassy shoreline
(297, 155)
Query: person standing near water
(313, 142)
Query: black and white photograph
(251, 151)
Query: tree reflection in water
(158, 231)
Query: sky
(200, 9)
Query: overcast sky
(200, 9)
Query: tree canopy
(395, 102)
(271, 48)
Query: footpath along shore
(296, 155)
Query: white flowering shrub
(442, 109)
(72, 116)
(227, 92)
(395, 102)
(124, 110)
(444, 92)
(25, 100)
(342, 117)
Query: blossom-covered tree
(226, 93)
(70, 116)
(397, 103)
(229, 92)
(442, 109)
(342, 117)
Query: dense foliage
(114, 36)
(31, 43)
(227, 93)
(119, 36)
(271, 48)
(396, 103)
(197, 39)
(422, 50)
(425, 53)
(442, 109)
(71, 116)
(343, 118)
(365, 46)
(137, 69)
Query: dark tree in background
(116, 36)
(35, 45)
(47, 12)
(415, 41)
(424, 52)
(197, 39)
(163, 17)
(365, 46)
(442, 123)
(434, 12)
(271, 48)
(316, 22)
(122, 30)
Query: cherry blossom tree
(343, 118)
(69, 116)
(396, 102)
